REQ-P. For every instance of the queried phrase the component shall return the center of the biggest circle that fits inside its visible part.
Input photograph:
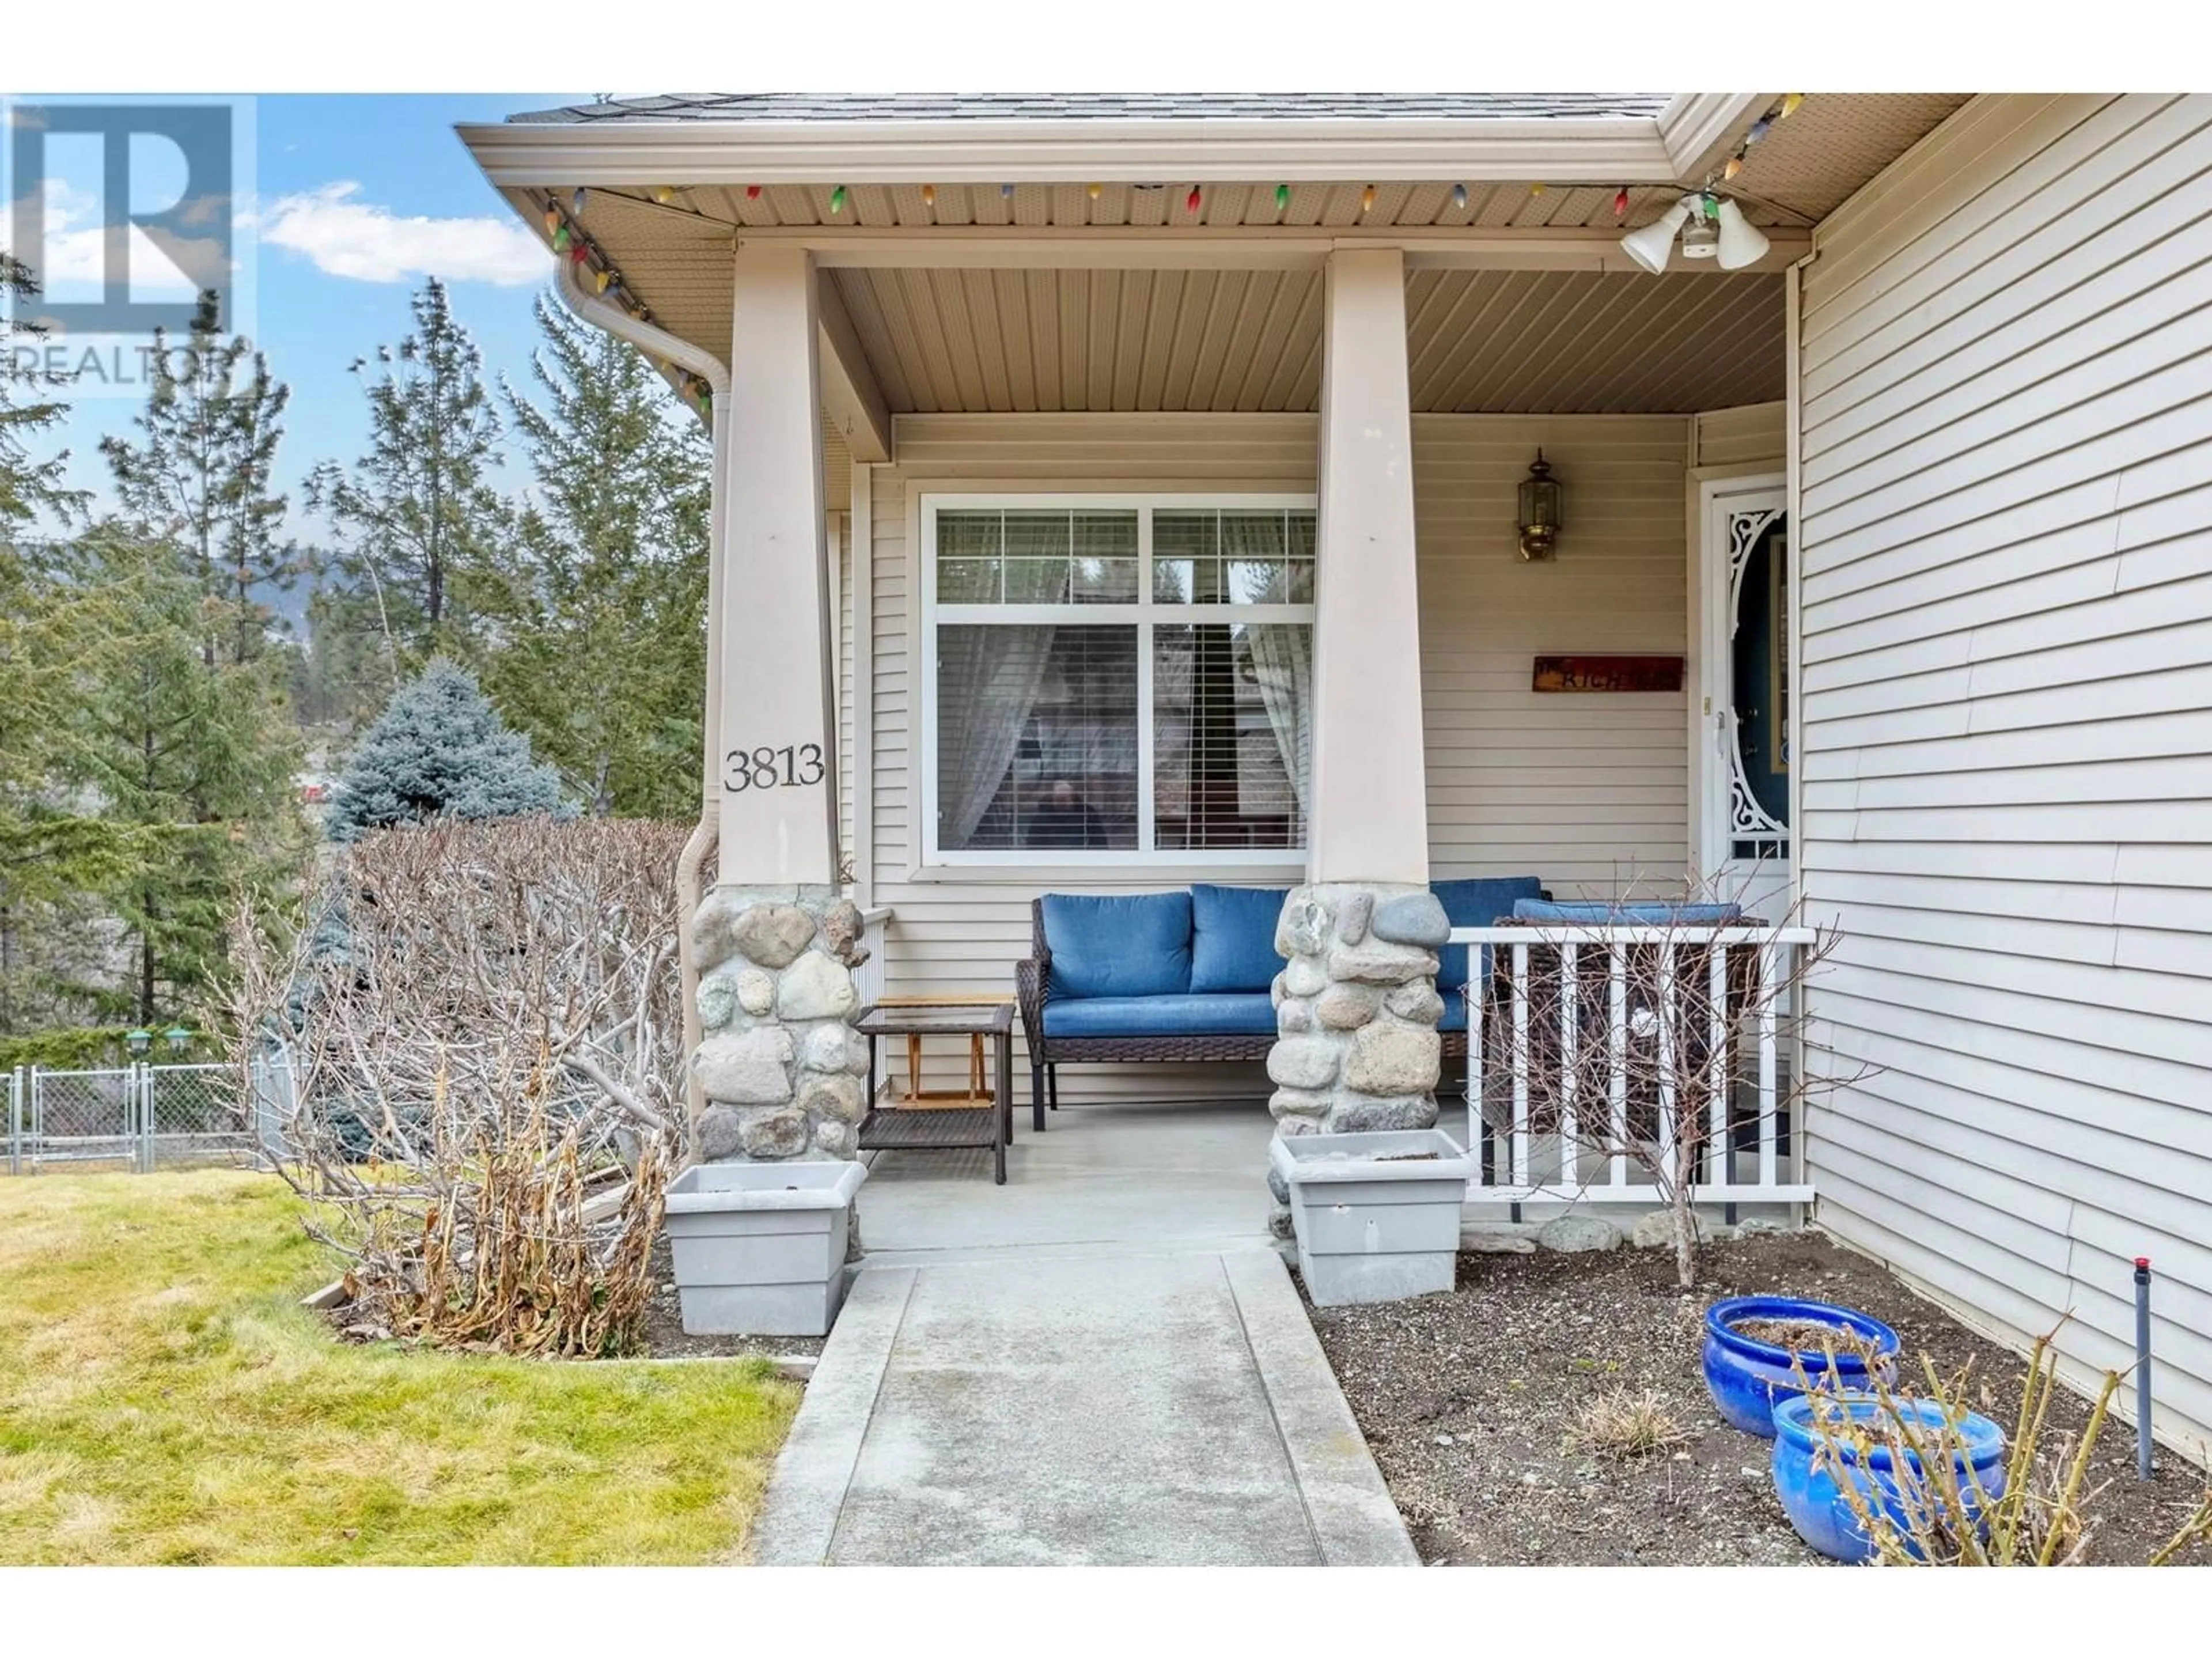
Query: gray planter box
(760, 1248)
(1376, 1214)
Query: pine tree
(439, 748)
(604, 581)
(199, 478)
(192, 764)
(26, 485)
(417, 506)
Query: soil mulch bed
(1468, 1400)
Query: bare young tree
(484, 1025)
(1649, 1051)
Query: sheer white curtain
(1282, 662)
(988, 680)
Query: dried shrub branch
(1932, 1509)
(483, 1027)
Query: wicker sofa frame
(1033, 988)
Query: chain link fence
(145, 1117)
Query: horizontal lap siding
(1588, 791)
(1584, 790)
(1756, 434)
(2007, 659)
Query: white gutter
(1612, 149)
(691, 861)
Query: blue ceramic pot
(1809, 1487)
(1747, 1378)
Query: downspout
(691, 861)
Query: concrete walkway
(1046, 1373)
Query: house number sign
(794, 766)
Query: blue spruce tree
(440, 749)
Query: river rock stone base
(780, 1063)
(1356, 1012)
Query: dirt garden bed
(1469, 1402)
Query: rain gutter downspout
(691, 861)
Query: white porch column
(779, 813)
(1368, 820)
(779, 1067)
(1356, 1010)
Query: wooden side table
(949, 1118)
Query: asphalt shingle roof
(1110, 106)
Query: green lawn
(163, 1399)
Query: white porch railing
(1571, 1102)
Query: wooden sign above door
(1608, 674)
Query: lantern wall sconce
(1540, 510)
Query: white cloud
(345, 237)
(73, 263)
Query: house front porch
(1120, 536)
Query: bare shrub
(1627, 1423)
(1648, 1068)
(483, 1023)
(1933, 1509)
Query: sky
(357, 198)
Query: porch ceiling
(962, 336)
(1505, 342)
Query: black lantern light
(1540, 510)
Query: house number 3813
(792, 767)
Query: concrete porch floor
(1157, 1176)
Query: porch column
(1356, 1010)
(779, 1067)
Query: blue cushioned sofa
(1185, 975)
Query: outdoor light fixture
(178, 1037)
(1716, 229)
(1540, 510)
(139, 1041)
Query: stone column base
(1356, 1013)
(780, 1065)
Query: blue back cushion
(1135, 945)
(1539, 912)
(1476, 902)
(1233, 938)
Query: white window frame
(1144, 614)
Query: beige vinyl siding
(1748, 436)
(1588, 791)
(1584, 790)
(2007, 618)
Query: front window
(1117, 679)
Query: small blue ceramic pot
(1807, 1485)
(1747, 1378)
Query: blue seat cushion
(1222, 1013)
(1233, 938)
(1476, 901)
(1541, 912)
(1125, 945)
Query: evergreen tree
(604, 581)
(439, 748)
(199, 478)
(191, 764)
(417, 506)
(26, 485)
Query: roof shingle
(1111, 106)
